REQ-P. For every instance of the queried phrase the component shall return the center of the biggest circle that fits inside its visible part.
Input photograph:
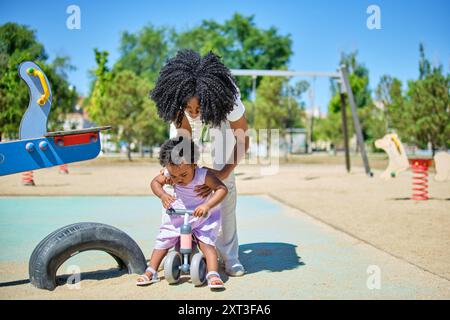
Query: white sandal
(216, 278)
(146, 279)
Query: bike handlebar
(179, 211)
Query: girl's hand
(168, 180)
(166, 200)
(201, 210)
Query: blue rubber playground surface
(287, 254)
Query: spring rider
(37, 148)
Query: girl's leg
(212, 264)
(155, 260)
(210, 254)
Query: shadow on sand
(62, 279)
(409, 198)
(270, 256)
(92, 275)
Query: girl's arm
(220, 193)
(157, 188)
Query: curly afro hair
(187, 75)
(177, 150)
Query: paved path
(288, 255)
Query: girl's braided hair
(187, 75)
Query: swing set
(341, 77)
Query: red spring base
(420, 178)
(64, 169)
(28, 179)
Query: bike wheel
(172, 265)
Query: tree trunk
(268, 141)
(129, 152)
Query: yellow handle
(397, 143)
(43, 99)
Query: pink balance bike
(185, 259)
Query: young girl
(178, 156)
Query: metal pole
(359, 136)
(345, 131)
(312, 94)
(254, 98)
(284, 73)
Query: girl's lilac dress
(204, 229)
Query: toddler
(178, 156)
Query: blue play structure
(37, 148)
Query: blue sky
(320, 30)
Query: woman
(191, 91)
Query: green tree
(64, 95)
(427, 111)
(145, 52)
(270, 108)
(359, 82)
(296, 114)
(101, 79)
(374, 123)
(424, 63)
(150, 129)
(330, 129)
(128, 108)
(389, 94)
(241, 44)
(421, 116)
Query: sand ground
(377, 215)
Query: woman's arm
(239, 128)
(241, 146)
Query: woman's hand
(220, 174)
(202, 190)
(166, 200)
(201, 210)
